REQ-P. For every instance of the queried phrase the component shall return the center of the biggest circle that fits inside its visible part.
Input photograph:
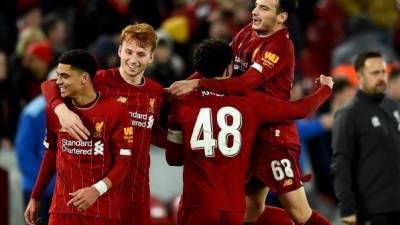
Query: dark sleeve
(159, 137)
(280, 111)
(121, 147)
(174, 145)
(51, 93)
(344, 144)
(174, 152)
(248, 81)
(48, 166)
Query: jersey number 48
(204, 129)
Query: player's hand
(350, 220)
(71, 122)
(31, 212)
(83, 198)
(182, 87)
(325, 80)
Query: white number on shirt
(280, 173)
(204, 128)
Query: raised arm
(69, 120)
(282, 110)
(174, 145)
(51, 93)
(237, 85)
(248, 81)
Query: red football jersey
(217, 134)
(274, 54)
(83, 163)
(269, 65)
(143, 103)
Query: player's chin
(256, 26)
(64, 93)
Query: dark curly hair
(79, 59)
(212, 57)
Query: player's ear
(85, 78)
(282, 17)
(228, 71)
(119, 50)
(152, 57)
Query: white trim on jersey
(258, 67)
(124, 151)
(175, 136)
(46, 144)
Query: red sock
(274, 216)
(317, 219)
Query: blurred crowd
(327, 34)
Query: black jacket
(366, 155)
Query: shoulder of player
(105, 76)
(279, 46)
(111, 103)
(152, 85)
(245, 30)
(102, 73)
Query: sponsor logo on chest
(143, 120)
(76, 147)
(240, 65)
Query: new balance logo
(98, 148)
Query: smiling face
(134, 60)
(266, 18)
(373, 76)
(69, 80)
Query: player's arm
(159, 137)
(46, 172)
(69, 120)
(249, 80)
(174, 144)
(269, 63)
(158, 133)
(282, 110)
(174, 147)
(266, 65)
(121, 148)
(344, 147)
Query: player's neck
(87, 96)
(270, 32)
(134, 80)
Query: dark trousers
(392, 218)
(44, 207)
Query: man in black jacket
(366, 149)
